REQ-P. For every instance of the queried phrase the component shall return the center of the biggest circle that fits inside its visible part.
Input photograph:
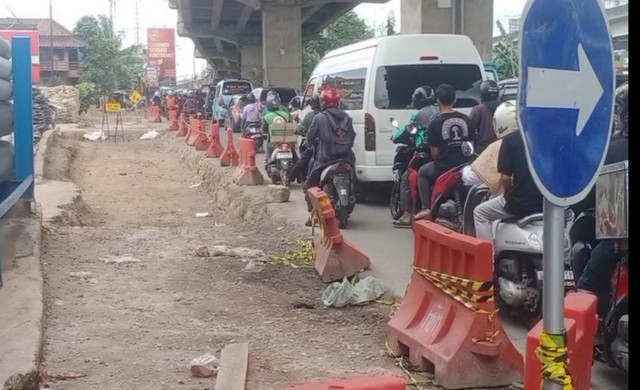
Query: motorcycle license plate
(284, 155)
(343, 191)
(568, 277)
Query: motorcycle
(254, 132)
(411, 158)
(517, 247)
(337, 180)
(592, 227)
(284, 156)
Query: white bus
(377, 78)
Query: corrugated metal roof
(61, 36)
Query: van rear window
(350, 84)
(395, 84)
(236, 88)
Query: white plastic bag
(360, 292)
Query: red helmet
(329, 97)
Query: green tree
(391, 24)
(506, 54)
(104, 62)
(347, 29)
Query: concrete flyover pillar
(251, 63)
(282, 45)
(473, 18)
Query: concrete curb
(21, 300)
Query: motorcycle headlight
(534, 240)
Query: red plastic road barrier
(194, 129)
(173, 120)
(379, 382)
(247, 172)
(229, 157)
(215, 146)
(154, 112)
(581, 323)
(461, 339)
(201, 138)
(335, 257)
(183, 128)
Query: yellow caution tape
(554, 356)
(304, 256)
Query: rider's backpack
(343, 134)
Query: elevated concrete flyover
(257, 39)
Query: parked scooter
(337, 180)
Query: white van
(377, 78)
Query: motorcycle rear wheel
(285, 179)
(394, 201)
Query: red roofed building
(59, 52)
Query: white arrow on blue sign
(566, 95)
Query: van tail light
(429, 58)
(369, 133)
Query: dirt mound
(77, 214)
(58, 158)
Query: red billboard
(35, 49)
(161, 48)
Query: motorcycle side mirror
(394, 122)
(467, 149)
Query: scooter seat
(524, 221)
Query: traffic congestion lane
(391, 252)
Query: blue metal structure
(22, 185)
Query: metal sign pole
(553, 282)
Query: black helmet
(622, 109)
(314, 102)
(250, 98)
(489, 91)
(273, 100)
(422, 97)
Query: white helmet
(504, 119)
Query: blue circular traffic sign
(566, 95)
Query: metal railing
(22, 185)
(59, 65)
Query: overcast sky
(156, 13)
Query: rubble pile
(66, 99)
(43, 112)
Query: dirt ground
(138, 325)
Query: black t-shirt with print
(447, 131)
(524, 197)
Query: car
(286, 93)
(223, 93)
(233, 119)
(507, 89)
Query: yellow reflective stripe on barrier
(554, 356)
(450, 285)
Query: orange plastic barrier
(378, 382)
(183, 128)
(447, 323)
(194, 129)
(229, 156)
(247, 172)
(335, 256)
(154, 112)
(201, 141)
(581, 323)
(173, 120)
(215, 146)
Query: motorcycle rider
(605, 256)
(190, 105)
(481, 116)
(332, 131)
(446, 134)
(251, 112)
(303, 164)
(423, 100)
(274, 113)
(520, 195)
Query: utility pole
(51, 38)
(112, 12)
(137, 22)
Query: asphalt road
(391, 252)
